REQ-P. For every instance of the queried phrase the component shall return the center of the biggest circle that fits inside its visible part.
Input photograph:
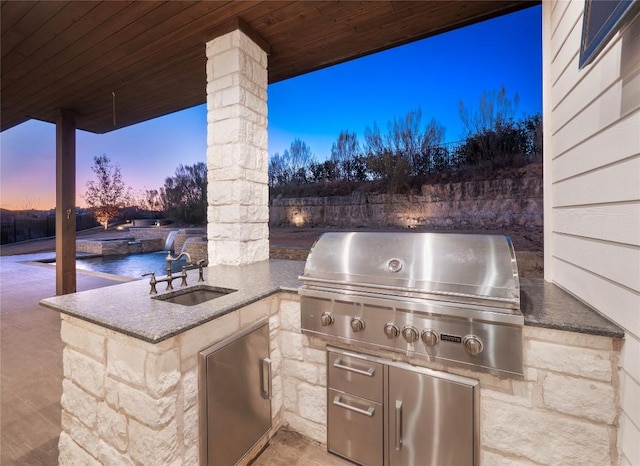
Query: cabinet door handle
(368, 372)
(367, 412)
(266, 387)
(398, 425)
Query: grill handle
(366, 372)
(366, 412)
(512, 300)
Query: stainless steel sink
(194, 295)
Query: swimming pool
(130, 265)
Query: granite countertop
(128, 308)
(544, 304)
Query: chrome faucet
(152, 282)
(171, 259)
(169, 278)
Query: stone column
(237, 160)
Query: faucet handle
(152, 282)
(183, 275)
(201, 263)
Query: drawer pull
(368, 372)
(367, 412)
(398, 429)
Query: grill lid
(466, 268)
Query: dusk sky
(433, 74)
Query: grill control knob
(429, 337)
(357, 324)
(391, 331)
(472, 345)
(326, 319)
(410, 334)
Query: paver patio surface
(31, 360)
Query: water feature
(130, 265)
(190, 240)
(171, 238)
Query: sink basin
(193, 295)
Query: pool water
(131, 265)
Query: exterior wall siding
(592, 186)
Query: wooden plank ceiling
(76, 54)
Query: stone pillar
(237, 160)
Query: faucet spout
(184, 254)
(171, 259)
(169, 278)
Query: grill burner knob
(326, 319)
(410, 334)
(472, 345)
(357, 324)
(391, 331)
(429, 337)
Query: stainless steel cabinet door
(238, 407)
(430, 420)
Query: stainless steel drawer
(355, 428)
(356, 376)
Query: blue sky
(433, 74)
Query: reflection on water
(130, 265)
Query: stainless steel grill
(451, 298)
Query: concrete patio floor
(31, 359)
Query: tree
(107, 195)
(405, 152)
(185, 194)
(299, 158)
(278, 170)
(30, 203)
(432, 154)
(384, 162)
(292, 166)
(345, 154)
(406, 140)
(495, 110)
(152, 200)
(324, 171)
(495, 137)
(414, 144)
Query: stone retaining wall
(151, 232)
(116, 247)
(197, 250)
(481, 204)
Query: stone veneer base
(126, 401)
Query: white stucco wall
(592, 185)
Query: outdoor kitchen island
(130, 389)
